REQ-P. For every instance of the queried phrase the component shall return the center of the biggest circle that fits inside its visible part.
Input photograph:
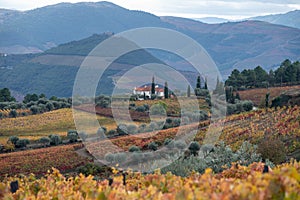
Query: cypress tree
(153, 86)
(166, 90)
(237, 96)
(205, 85)
(198, 86)
(267, 99)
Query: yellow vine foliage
(239, 182)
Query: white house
(146, 90)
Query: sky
(228, 9)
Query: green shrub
(92, 169)
(13, 139)
(132, 129)
(45, 141)
(35, 109)
(142, 128)
(13, 113)
(248, 105)
(214, 157)
(55, 140)
(134, 149)
(194, 148)
(122, 129)
(22, 143)
(111, 133)
(167, 141)
(72, 136)
(157, 109)
(152, 126)
(49, 106)
(140, 109)
(153, 146)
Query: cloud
(231, 9)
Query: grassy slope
(36, 126)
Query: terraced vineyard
(283, 123)
(235, 183)
(39, 161)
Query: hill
(291, 19)
(234, 44)
(52, 25)
(53, 72)
(242, 44)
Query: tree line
(287, 74)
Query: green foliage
(132, 129)
(153, 146)
(201, 92)
(134, 149)
(49, 106)
(194, 148)
(122, 129)
(13, 113)
(247, 154)
(267, 100)
(214, 157)
(55, 140)
(239, 106)
(45, 141)
(22, 143)
(198, 85)
(140, 109)
(158, 109)
(72, 135)
(111, 133)
(152, 88)
(166, 91)
(288, 72)
(103, 101)
(30, 97)
(35, 110)
(5, 95)
(92, 169)
(13, 139)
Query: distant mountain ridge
(212, 20)
(291, 19)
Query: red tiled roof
(148, 88)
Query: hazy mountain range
(291, 19)
(232, 45)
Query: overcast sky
(229, 9)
